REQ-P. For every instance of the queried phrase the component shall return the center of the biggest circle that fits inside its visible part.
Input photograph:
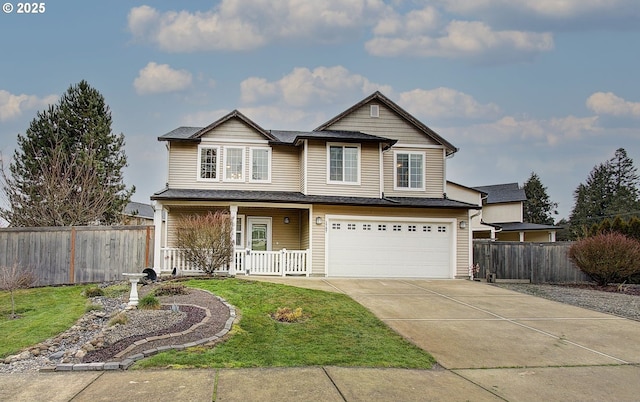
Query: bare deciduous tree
(13, 278)
(205, 240)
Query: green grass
(44, 312)
(336, 331)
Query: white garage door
(376, 248)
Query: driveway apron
(517, 346)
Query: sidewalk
(315, 384)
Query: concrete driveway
(515, 346)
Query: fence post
(72, 257)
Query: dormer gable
(372, 104)
(196, 134)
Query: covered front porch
(268, 239)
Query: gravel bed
(616, 303)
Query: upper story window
(233, 164)
(409, 171)
(208, 162)
(260, 165)
(343, 163)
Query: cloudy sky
(517, 85)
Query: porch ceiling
(299, 198)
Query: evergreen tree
(67, 169)
(538, 207)
(610, 190)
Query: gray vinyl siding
(462, 242)
(183, 168)
(233, 129)
(388, 125)
(369, 172)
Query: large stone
(80, 354)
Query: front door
(259, 236)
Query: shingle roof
(497, 193)
(292, 137)
(299, 198)
(379, 97)
(139, 209)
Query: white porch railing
(248, 262)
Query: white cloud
(249, 24)
(12, 106)
(446, 103)
(464, 39)
(610, 104)
(157, 78)
(304, 87)
(549, 8)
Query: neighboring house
(362, 195)
(137, 213)
(502, 216)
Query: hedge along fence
(78, 254)
(535, 262)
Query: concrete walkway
(494, 344)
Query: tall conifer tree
(67, 169)
(538, 208)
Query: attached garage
(389, 247)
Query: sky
(519, 86)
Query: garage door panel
(403, 248)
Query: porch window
(208, 163)
(343, 163)
(261, 165)
(409, 171)
(233, 164)
(239, 233)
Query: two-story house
(362, 195)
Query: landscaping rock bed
(623, 301)
(91, 339)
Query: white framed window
(233, 164)
(374, 111)
(239, 233)
(208, 158)
(343, 163)
(260, 165)
(409, 170)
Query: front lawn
(336, 331)
(44, 313)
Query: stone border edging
(126, 363)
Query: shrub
(149, 302)
(120, 318)
(607, 257)
(171, 289)
(13, 278)
(205, 240)
(93, 307)
(285, 314)
(93, 291)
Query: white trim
(259, 219)
(395, 171)
(234, 141)
(158, 213)
(199, 166)
(269, 154)
(243, 232)
(381, 170)
(306, 166)
(444, 173)
(224, 164)
(359, 160)
(451, 221)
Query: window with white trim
(239, 231)
(260, 165)
(343, 163)
(233, 164)
(208, 162)
(409, 170)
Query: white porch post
(521, 237)
(157, 234)
(233, 209)
(552, 236)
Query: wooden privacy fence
(536, 262)
(63, 255)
